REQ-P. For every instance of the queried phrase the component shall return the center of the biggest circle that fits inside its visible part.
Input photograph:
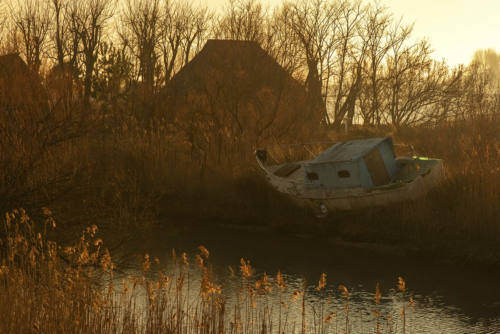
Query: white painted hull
(358, 200)
(356, 197)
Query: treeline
(358, 59)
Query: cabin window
(313, 176)
(344, 174)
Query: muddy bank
(379, 231)
(380, 248)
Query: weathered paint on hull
(377, 197)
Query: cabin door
(376, 167)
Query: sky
(455, 28)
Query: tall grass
(49, 289)
(459, 218)
(125, 174)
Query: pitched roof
(19, 87)
(243, 62)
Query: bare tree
(488, 57)
(421, 90)
(198, 22)
(90, 19)
(65, 37)
(59, 32)
(68, 37)
(33, 19)
(480, 92)
(315, 28)
(36, 164)
(416, 85)
(172, 31)
(244, 20)
(374, 35)
(347, 73)
(282, 47)
(401, 60)
(140, 33)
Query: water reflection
(447, 300)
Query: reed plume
(45, 288)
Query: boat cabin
(367, 162)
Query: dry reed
(49, 289)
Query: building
(237, 89)
(20, 89)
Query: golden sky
(456, 28)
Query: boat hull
(376, 197)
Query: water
(448, 299)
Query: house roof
(19, 87)
(236, 64)
(244, 88)
(348, 151)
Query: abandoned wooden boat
(350, 175)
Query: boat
(347, 176)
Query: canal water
(447, 299)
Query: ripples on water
(447, 300)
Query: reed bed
(459, 219)
(460, 215)
(126, 174)
(46, 288)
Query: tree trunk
(313, 85)
(349, 104)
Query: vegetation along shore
(119, 115)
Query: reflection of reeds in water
(376, 311)
(46, 289)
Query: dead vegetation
(110, 119)
(51, 289)
(97, 130)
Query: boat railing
(413, 152)
(294, 152)
(283, 153)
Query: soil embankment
(391, 232)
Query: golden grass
(457, 216)
(49, 289)
(458, 219)
(463, 208)
(129, 174)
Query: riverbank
(458, 222)
(127, 180)
(382, 230)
